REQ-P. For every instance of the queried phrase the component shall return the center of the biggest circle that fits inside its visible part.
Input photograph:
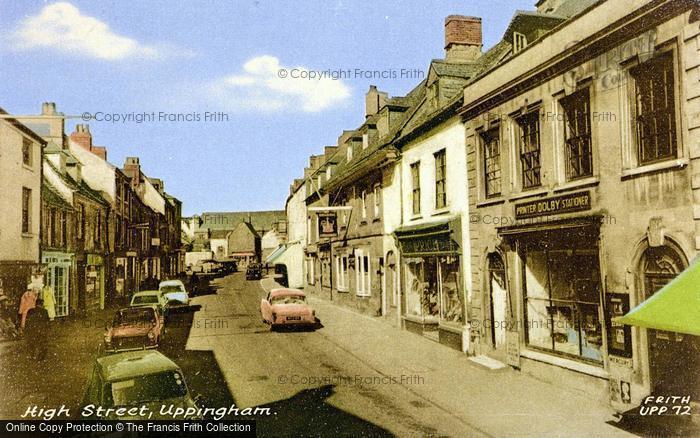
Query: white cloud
(61, 26)
(261, 87)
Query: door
(498, 300)
(674, 358)
(57, 278)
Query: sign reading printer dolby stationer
(555, 205)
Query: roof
(80, 187)
(52, 197)
(285, 291)
(171, 283)
(122, 366)
(22, 127)
(146, 293)
(674, 308)
(219, 234)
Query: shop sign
(429, 245)
(93, 259)
(556, 205)
(327, 225)
(513, 349)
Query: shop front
(433, 298)
(59, 267)
(94, 282)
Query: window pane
(453, 307)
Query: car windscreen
(144, 389)
(134, 316)
(289, 299)
(172, 288)
(145, 299)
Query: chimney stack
(462, 38)
(48, 109)
(374, 100)
(81, 135)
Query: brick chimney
(48, 109)
(374, 100)
(132, 169)
(462, 38)
(81, 135)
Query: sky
(224, 101)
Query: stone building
(582, 161)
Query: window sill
(529, 194)
(28, 235)
(26, 167)
(577, 184)
(376, 219)
(363, 295)
(441, 211)
(343, 290)
(569, 364)
(490, 201)
(656, 167)
(417, 217)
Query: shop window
(577, 134)
(530, 150)
(440, 179)
(655, 116)
(415, 187)
(363, 272)
(492, 162)
(562, 298)
(433, 288)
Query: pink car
(134, 328)
(286, 307)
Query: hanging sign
(327, 225)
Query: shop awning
(433, 238)
(282, 257)
(275, 254)
(675, 308)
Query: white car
(174, 290)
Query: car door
(265, 309)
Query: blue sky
(190, 57)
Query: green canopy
(675, 308)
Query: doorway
(674, 358)
(498, 298)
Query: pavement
(358, 375)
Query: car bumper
(282, 321)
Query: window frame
(569, 105)
(27, 152)
(363, 271)
(26, 223)
(641, 69)
(523, 121)
(440, 158)
(486, 138)
(415, 188)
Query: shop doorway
(498, 301)
(674, 358)
(57, 277)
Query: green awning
(675, 308)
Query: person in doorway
(49, 297)
(26, 303)
(37, 330)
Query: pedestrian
(36, 333)
(49, 297)
(26, 303)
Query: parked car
(149, 298)
(174, 290)
(253, 272)
(135, 328)
(229, 267)
(285, 307)
(131, 379)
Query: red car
(287, 307)
(135, 328)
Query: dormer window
(365, 140)
(349, 152)
(328, 173)
(519, 42)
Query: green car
(136, 385)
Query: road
(310, 382)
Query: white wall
(449, 136)
(14, 175)
(96, 172)
(296, 236)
